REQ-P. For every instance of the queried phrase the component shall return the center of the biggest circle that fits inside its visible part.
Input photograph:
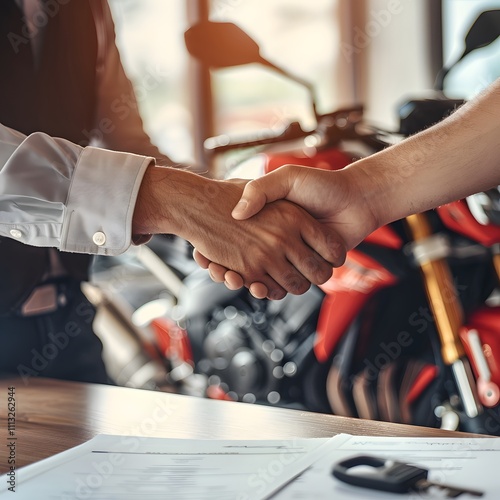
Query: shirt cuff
(101, 201)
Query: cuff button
(15, 233)
(99, 238)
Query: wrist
(154, 208)
(172, 201)
(367, 189)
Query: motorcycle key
(395, 477)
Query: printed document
(138, 468)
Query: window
(150, 37)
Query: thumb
(257, 193)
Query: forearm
(164, 199)
(449, 161)
(175, 201)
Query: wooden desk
(52, 416)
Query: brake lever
(331, 129)
(223, 143)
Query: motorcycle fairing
(348, 291)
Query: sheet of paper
(137, 468)
(469, 463)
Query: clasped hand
(282, 249)
(340, 221)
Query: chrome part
(466, 387)
(432, 248)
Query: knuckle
(311, 264)
(260, 257)
(253, 186)
(316, 269)
(276, 240)
(302, 288)
(323, 275)
(336, 251)
(295, 284)
(276, 294)
(289, 168)
(282, 240)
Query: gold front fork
(441, 293)
(445, 307)
(496, 263)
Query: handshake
(274, 235)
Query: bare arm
(455, 158)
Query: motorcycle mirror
(222, 45)
(484, 30)
(225, 45)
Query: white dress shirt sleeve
(54, 193)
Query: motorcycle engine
(251, 350)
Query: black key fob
(387, 475)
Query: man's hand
(282, 247)
(332, 198)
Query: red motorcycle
(408, 330)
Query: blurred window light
(150, 37)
